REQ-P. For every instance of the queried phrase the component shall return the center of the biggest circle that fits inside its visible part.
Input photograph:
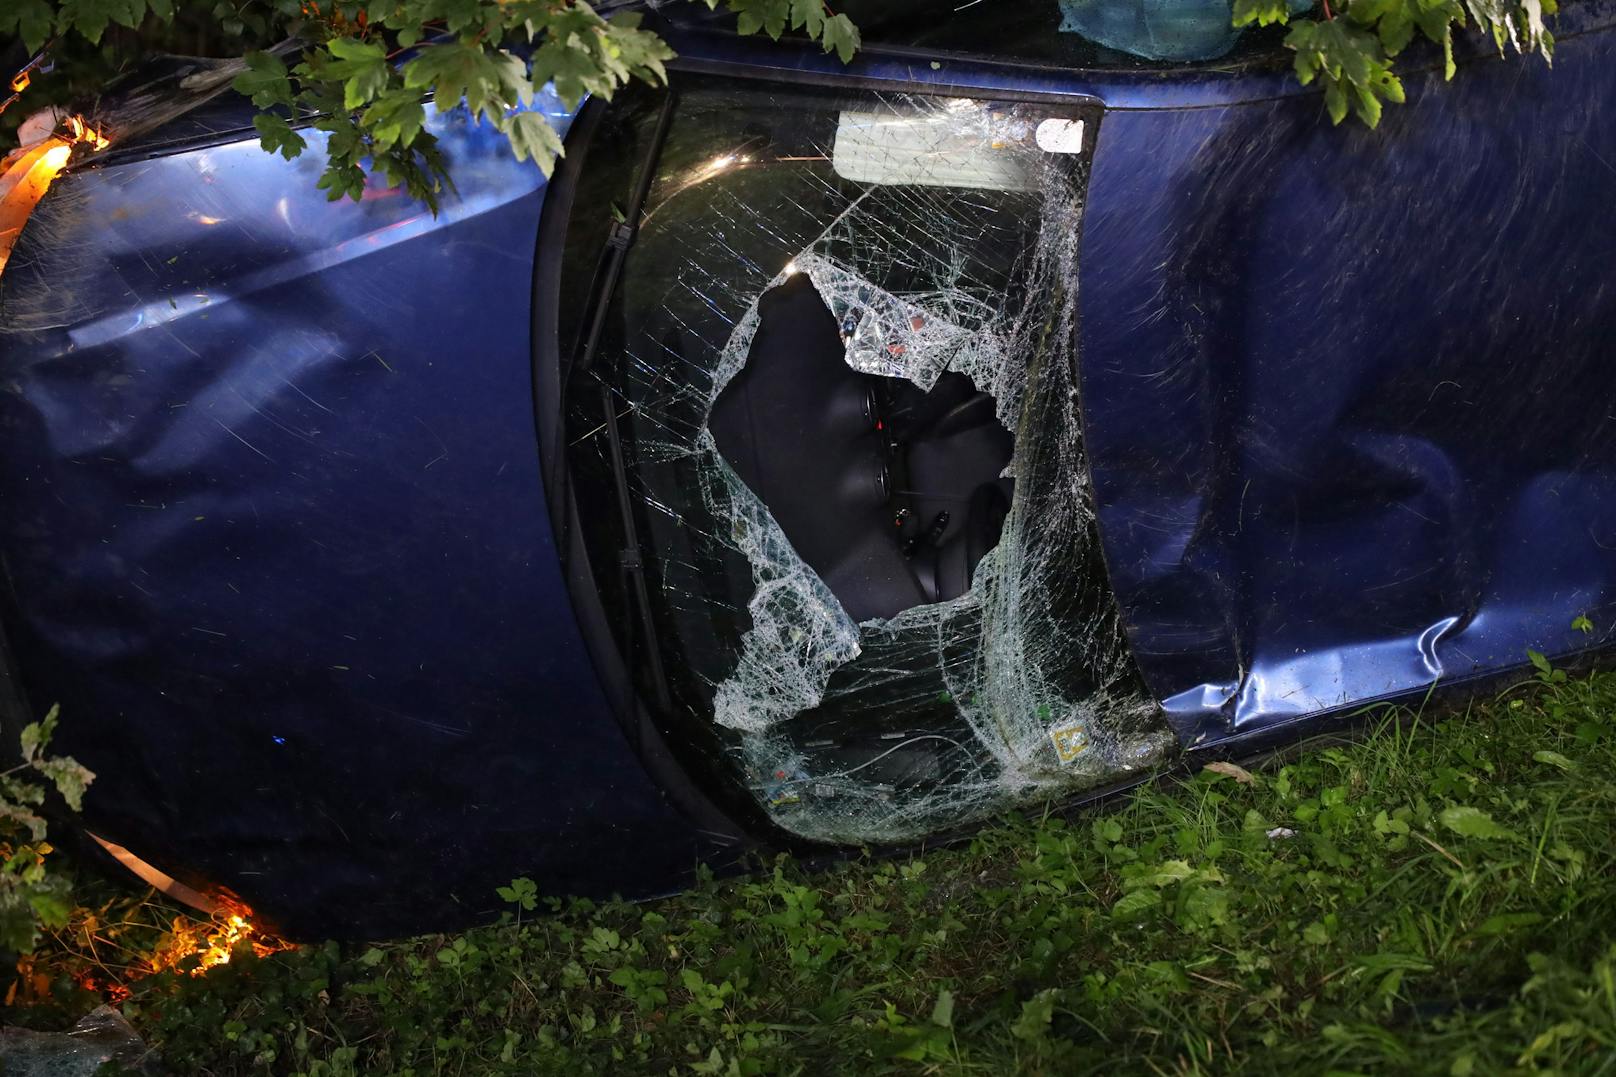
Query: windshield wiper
(631, 559)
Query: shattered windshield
(840, 363)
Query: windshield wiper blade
(631, 557)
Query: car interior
(891, 493)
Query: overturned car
(825, 456)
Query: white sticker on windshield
(950, 147)
(1060, 136)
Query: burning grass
(107, 953)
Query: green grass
(1446, 904)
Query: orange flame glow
(83, 132)
(27, 174)
(192, 946)
(55, 158)
(212, 945)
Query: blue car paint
(1343, 444)
(277, 542)
(1349, 408)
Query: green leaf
(129, 13)
(266, 81)
(808, 15)
(70, 778)
(640, 53)
(36, 736)
(1158, 875)
(361, 67)
(1553, 759)
(1386, 824)
(1369, 12)
(1504, 923)
(573, 72)
(30, 20)
(532, 136)
(50, 909)
(18, 816)
(1396, 30)
(1581, 624)
(777, 13)
(91, 17)
(275, 135)
(1352, 64)
(489, 81)
(1335, 101)
(714, 1063)
(20, 792)
(19, 931)
(1542, 664)
(523, 892)
(1393, 961)
(769, 16)
(396, 118)
(1473, 823)
(942, 1012)
(1135, 903)
(342, 178)
(1261, 12)
(1036, 1013)
(842, 36)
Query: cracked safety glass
(834, 381)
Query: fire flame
(83, 132)
(214, 944)
(192, 946)
(54, 159)
(27, 174)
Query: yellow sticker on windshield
(1069, 740)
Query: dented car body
(825, 456)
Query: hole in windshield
(891, 493)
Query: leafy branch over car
(1350, 51)
(363, 71)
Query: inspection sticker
(1069, 740)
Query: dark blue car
(825, 456)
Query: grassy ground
(1441, 899)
